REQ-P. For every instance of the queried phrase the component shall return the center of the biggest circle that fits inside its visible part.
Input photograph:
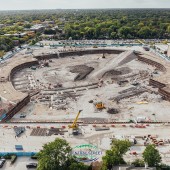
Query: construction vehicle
(75, 126)
(99, 106)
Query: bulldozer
(99, 106)
(75, 126)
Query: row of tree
(96, 24)
(57, 156)
(6, 43)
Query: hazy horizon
(75, 9)
(87, 4)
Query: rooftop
(163, 47)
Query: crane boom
(74, 125)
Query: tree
(113, 35)
(168, 29)
(49, 31)
(151, 156)
(54, 155)
(115, 155)
(125, 31)
(57, 156)
(78, 166)
(145, 32)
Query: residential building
(37, 28)
(162, 48)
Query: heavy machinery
(75, 126)
(99, 106)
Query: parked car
(2, 161)
(31, 165)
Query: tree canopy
(54, 155)
(151, 156)
(57, 155)
(95, 24)
(114, 156)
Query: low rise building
(2, 25)
(37, 28)
(162, 48)
(126, 167)
(20, 35)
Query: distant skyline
(81, 4)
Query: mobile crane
(74, 126)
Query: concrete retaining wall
(49, 56)
(162, 90)
(164, 93)
(92, 51)
(153, 63)
(155, 83)
(20, 67)
(16, 108)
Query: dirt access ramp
(116, 62)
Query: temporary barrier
(18, 153)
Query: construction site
(86, 95)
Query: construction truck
(99, 106)
(75, 126)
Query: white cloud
(55, 4)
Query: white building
(2, 25)
(162, 48)
(37, 28)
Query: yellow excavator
(100, 106)
(74, 126)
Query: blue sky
(74, 4)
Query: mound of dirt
(118, 72)
(112, 73)
(82, 71)
(124, 70)
(112, 111)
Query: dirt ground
(103, 84)
(60, 97)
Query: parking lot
(20, 164)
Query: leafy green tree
(78, 166)
(113, 35)
(49, 31)
(145, 32)
(168, 29)
(151, 156)
(54, 155)
(125, 31)
(114, 156)
(57, 156)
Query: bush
(34, 156)
(163, 167)
(8, 156)
(139, 163)
(13, 159)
